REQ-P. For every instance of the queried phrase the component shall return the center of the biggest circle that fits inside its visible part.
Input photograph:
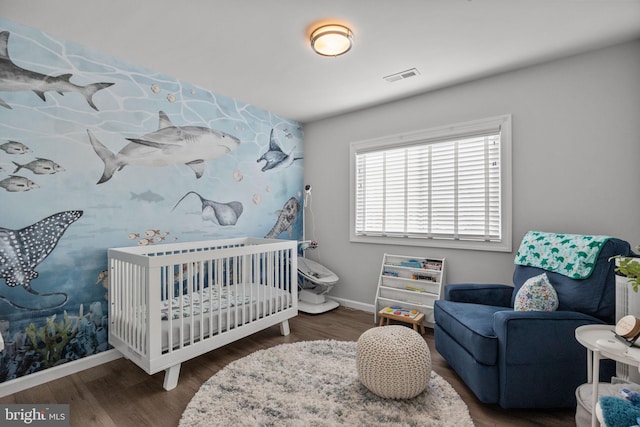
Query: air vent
(402, 75)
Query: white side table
(587, 336)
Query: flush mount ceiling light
(331, 40)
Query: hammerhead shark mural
(22, 250)
(16, 79)
(168, 145)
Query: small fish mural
(17, 183)
(21, 251)
(147, 196)
(14, 147)
(40, 166)
(150, 237)
(286, 217)
(103, 277)
(151, 233)
(169, 145)
(275, 158)
(17, 79)
(219, 213)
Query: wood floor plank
(120, 394)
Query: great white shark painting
(168, 145)
(14, 78)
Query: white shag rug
(314, 383)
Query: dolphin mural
(275, 158)
(286, 218)
(168, 145)
(22, 250)
(218, 213)
(17, 79)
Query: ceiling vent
(402, 75)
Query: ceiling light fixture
(331, 40)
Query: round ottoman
(393, 362)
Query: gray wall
(576, 155)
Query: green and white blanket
(573, 255)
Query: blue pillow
(536, 294)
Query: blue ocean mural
(98, 153)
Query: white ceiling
(257, 51)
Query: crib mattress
(239, 305)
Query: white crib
(172, 302)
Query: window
(445, 187)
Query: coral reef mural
(98, 153)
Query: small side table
(417, 321)
(588, 335)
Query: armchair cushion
(472, 325)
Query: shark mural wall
(98, 153)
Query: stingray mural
(220, 213)
(95, 119)
(275, 157)
(22, 250)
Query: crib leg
(171, 377)
(284, 328)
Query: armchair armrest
(540, 335)
(488, 294)
(538, 347)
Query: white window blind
(442, 185)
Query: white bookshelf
(410, 282)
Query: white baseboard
(41, 377)
(369, 308)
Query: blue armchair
(528, 359)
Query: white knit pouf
(393, 362)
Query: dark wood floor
(120, 394)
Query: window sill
(504, 246)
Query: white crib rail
(247, 285)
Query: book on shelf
(422, 264)
(401, 312)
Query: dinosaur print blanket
(572, 255)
